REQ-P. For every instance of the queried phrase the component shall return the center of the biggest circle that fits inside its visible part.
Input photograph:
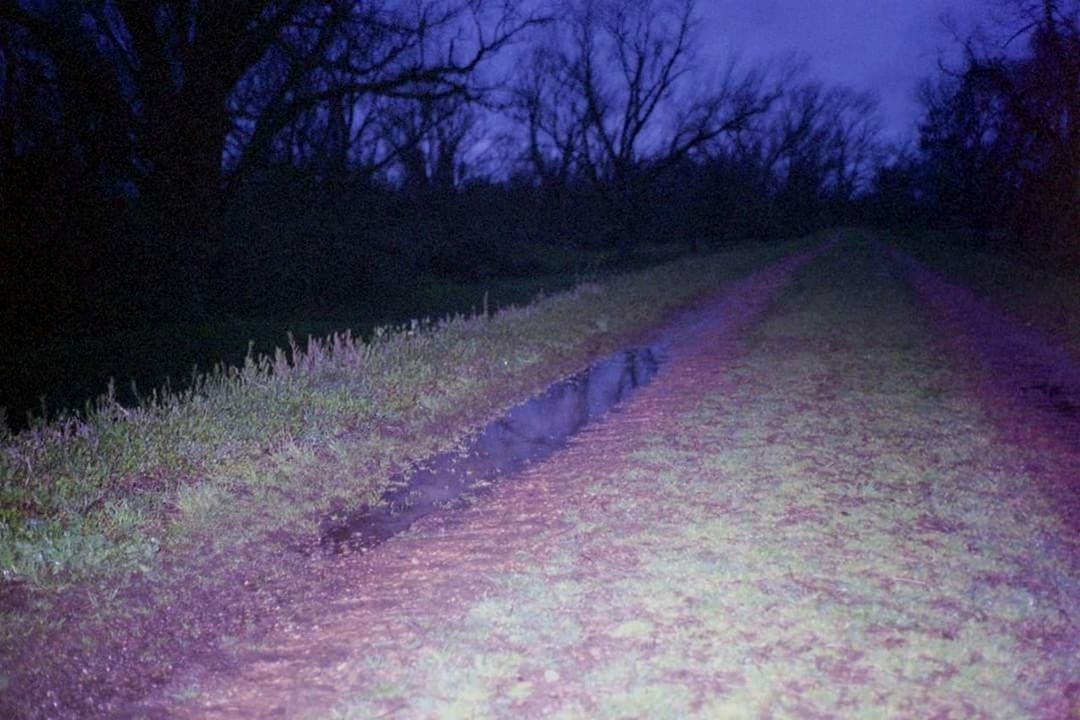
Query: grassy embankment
(251, 450)
(45, 373)
(835, 530)
(1037, 290)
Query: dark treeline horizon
(173, 159)
(181, 160)
(998, 151)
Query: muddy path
(809, 512)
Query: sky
(885, 46)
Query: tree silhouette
(179, 99)
(611, 100)
(1001, 136)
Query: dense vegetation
(999, 142)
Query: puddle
(527, 433)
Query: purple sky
(885, 46)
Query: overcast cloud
(885, 46)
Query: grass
(248, 450)
(45, 375)
(1035, 289)
(834, 532)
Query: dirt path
(807, 514)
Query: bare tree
(1001, 134)
(630, 65)
(616, 99)
(181, 98)
(430, 136)
(818, 144)
(1038, 127)
(545, 104)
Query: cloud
(885, 46)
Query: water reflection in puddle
(527, 433)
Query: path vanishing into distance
(828, 503)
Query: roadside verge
(137, 538)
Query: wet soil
(527, 433)
(445, 558)
(1028, 382)
(809, 513)
(100, 645)
(1019, 360)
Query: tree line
(177, 158)
(180, 159)
(999, 142)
